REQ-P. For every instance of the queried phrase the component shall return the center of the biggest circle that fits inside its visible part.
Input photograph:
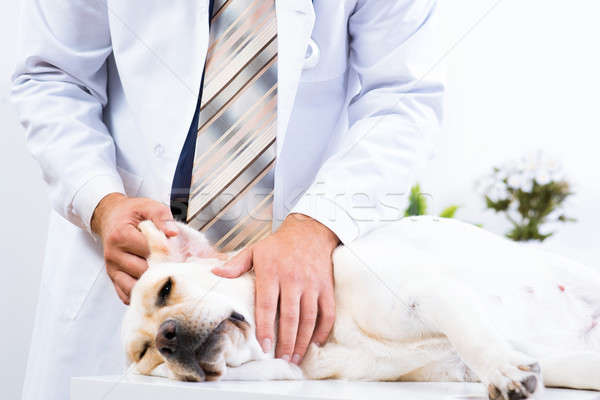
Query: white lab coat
(107, 89)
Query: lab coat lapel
(170, 55)
(295, 22)
(166, 42)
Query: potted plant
(530, 193)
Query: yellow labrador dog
(424, 299)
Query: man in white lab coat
(106, 90)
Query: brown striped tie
(231, 195)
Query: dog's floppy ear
(157, 241)
(188, 243)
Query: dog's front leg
(453, 309)
(264, 370)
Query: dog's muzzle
(196, 356)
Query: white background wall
(24, 209)
(526, 78)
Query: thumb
(163, 219)
(235, 267)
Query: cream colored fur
(423, 299)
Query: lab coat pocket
(131, 182)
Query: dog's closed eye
(164, 293)
(144, 350)
(237, 316)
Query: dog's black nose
(166, 338)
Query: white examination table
(136, 387)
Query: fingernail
(170, 227)
(296, 359)
(285, 357)
(317, 344)
(266, 345)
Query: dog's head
(182, 315)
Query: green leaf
(417, 204)
(564, 218)
(449, 212)
(497, 206)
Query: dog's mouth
(197, 357)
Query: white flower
(501, 174)
(515, 181)
(543, 177)
(498, 192)
(526, 184)
(513, 209)
(521, 180)
(530, 163)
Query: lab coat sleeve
(391, 120)
(59, 88)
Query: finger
(130, 264)
(163, 219)
(122, 296)
(308, 319)
(134, 242)
(235, 267)
(124, 283)
(267, 294)
(289, 315)
(326, 317)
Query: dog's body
(423, 299)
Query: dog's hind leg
(451, 308)
(372, 360)
(577, 370)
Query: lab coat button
(313, 55)
(159, 150)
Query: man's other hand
(115, 220)
(293, 265)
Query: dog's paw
(516, 381)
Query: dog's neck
(244, 288)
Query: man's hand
(125, 249)
(293, 265)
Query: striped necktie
(231, 193)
